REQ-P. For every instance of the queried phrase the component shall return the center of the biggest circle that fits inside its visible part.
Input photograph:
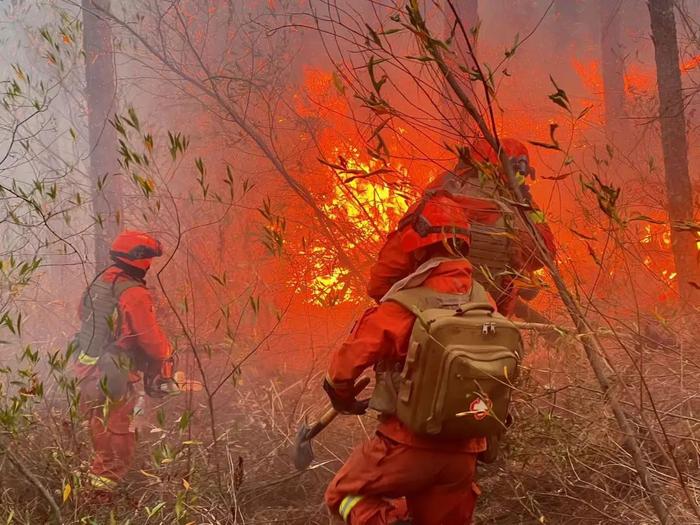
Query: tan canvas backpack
(462, 360)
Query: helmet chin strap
(131, 271)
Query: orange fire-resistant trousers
(438, 486)
(113, 438)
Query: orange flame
(690, 64)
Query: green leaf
(510, 52)
(559, 97)
(255, 304)
(183, 422)
(544, 145)
(221, 280)
(199, 163)
(373, 35)
(134, 119)
(150, 512)
(421, 58)
(645, 218)
(148, 142)
(376, 84)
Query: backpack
(493, 245)
(462, 360)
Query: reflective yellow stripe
(537, 216)
(347, 505)
(101, 482)
(88, 360)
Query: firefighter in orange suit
(464, 186)
(398, 476)
(119, 341)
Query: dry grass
(561, 462)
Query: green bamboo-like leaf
(559, 97)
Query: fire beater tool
(302, 453)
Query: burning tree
(675, 147)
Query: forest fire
(690, 64)
(201, 273)
(366, 208)
(363, 196)
(370, 206)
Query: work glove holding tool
(302, 453)
(159, 383)
(344, 400)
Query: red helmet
(135, 249)
(482, 151)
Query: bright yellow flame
(367, 209)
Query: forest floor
(560, 462)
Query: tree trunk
(675, 145)
(100, 94)
(567, 16)
(613, 68)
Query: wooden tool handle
(331, 413)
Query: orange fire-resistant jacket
(383, 333)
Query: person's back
(119, 339)
(433, 473)
(500, 245)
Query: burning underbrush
(227, 459)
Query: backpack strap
(119, 287)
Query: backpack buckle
(488, 328)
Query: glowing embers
(690, 64)
(590, 74)
(656, 243)
(638, 80)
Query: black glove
(346, 402)
(156, 386)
